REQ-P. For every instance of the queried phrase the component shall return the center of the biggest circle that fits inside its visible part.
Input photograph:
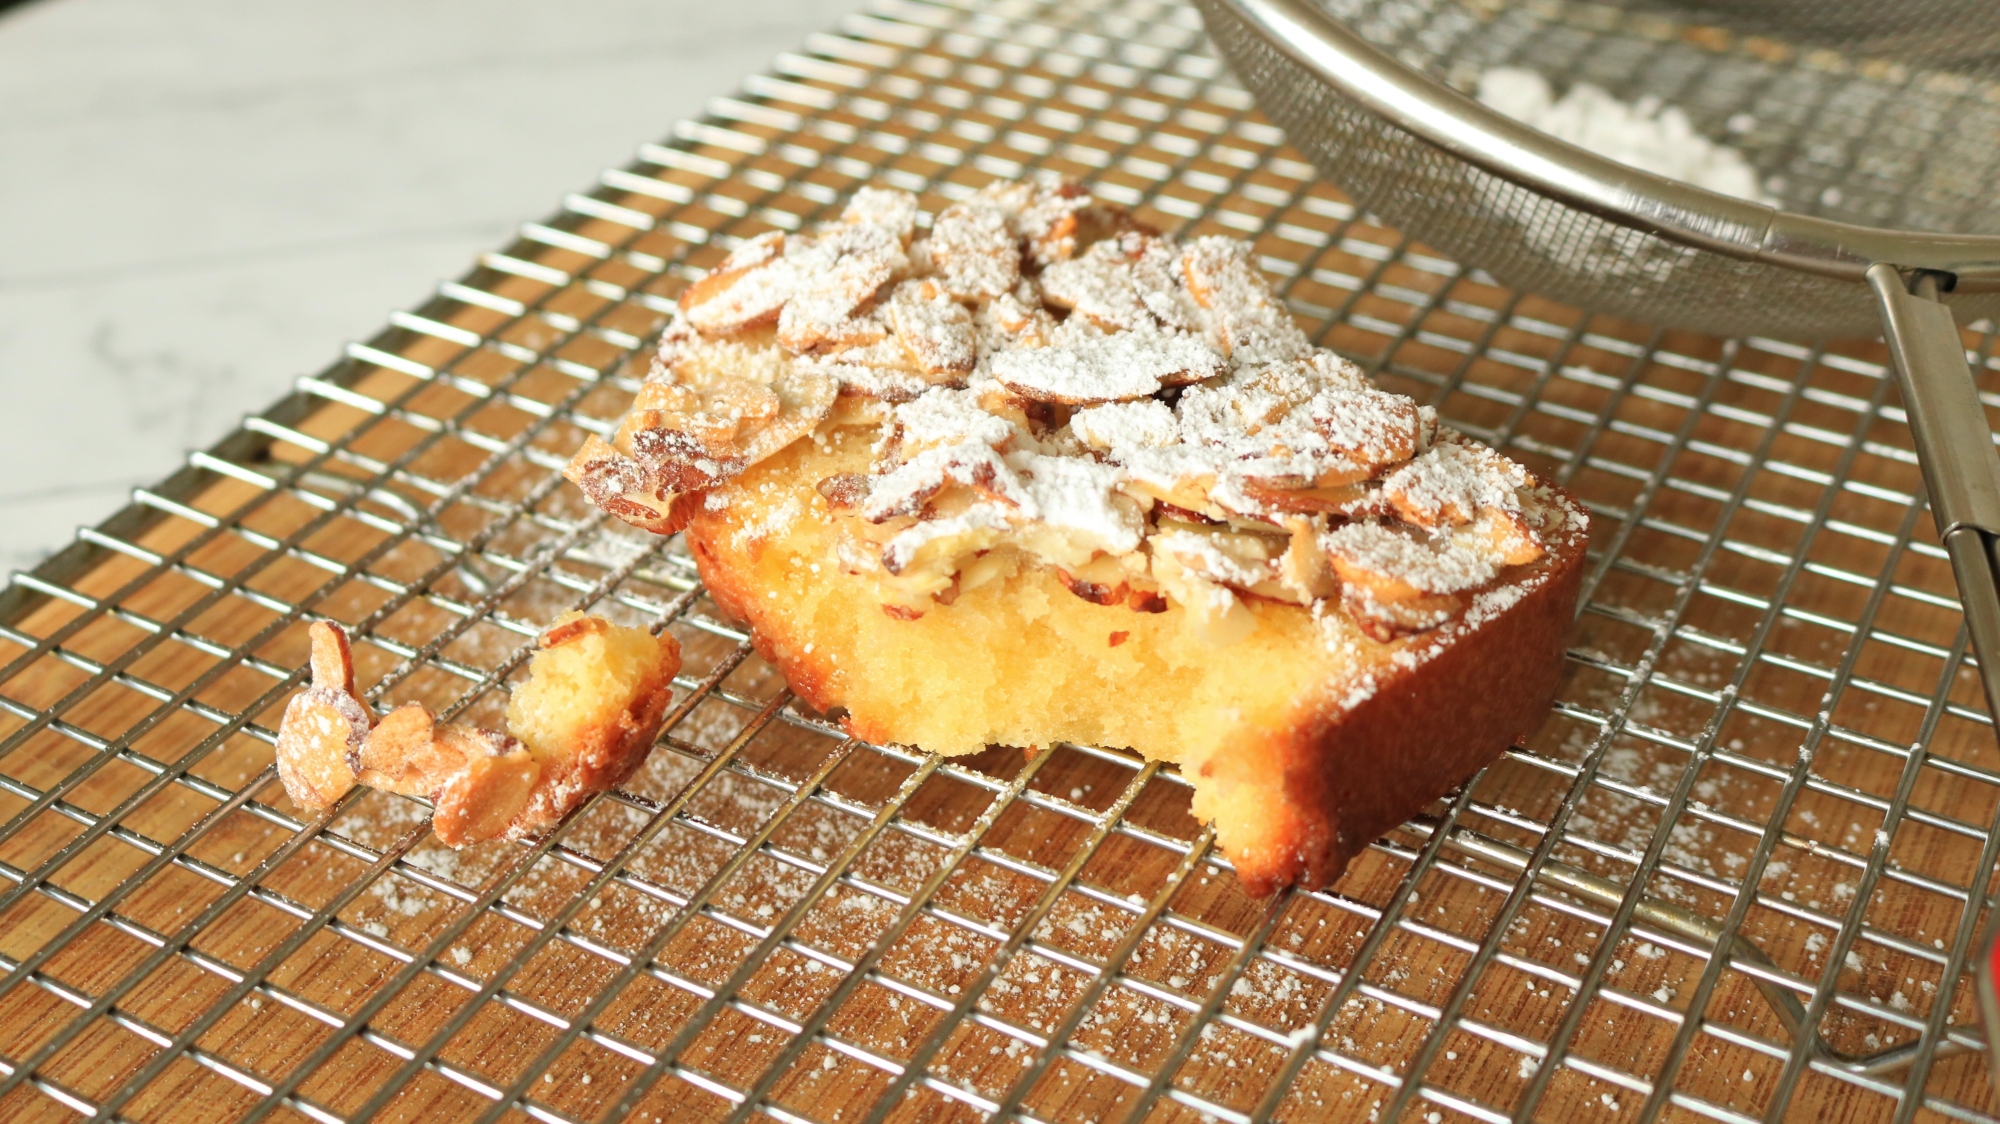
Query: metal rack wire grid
(1767, 728)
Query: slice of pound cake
(1040, 474)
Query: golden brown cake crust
(1358, 773)
(732, 586)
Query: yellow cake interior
(1021, 660)
(585, 683)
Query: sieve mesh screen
(1854, 137)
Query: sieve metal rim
(1671, 209)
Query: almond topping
(1351, 501)
(622, 487)
(1394, 565)
(730, 299)
(1055, 384)
(402, 755)
(1127, 283)
(573, 628)
(324, 726)
(936, 330)
(1117, 368)
(1094, 592)
(1452, 483)
(486, 794)
(977, 256)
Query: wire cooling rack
(1736, 874)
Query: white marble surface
(201, 200)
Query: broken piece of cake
(1037, 473)
(581, 724)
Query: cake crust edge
(1441, 722)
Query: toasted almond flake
(978, 257)
(935, 329)
(1452, 483)
(1146, 423)
(1114, 368)
(1124, 284)
(1397, 564)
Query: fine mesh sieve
(1956, 33)
(1877, 129)
(1871, 159)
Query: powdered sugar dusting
(1432, 566)
(1112, 368)
(1452, 482)
(1080, 495)
(1145, 424)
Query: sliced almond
(1506, 535)
(1372, 430)
(1244, 320)
(1184, 497)
(1014, 320)
(1209, 266)
(935, 329)
(748, 289)
(885, 208)
(401, 753)
(1452, 483)
(324, 726)
(1240, 560)
(1122, 284)
(693, 437)
(1389, 621)
(1122, 367)
(1102, 581)
(620, 486)
(1382, 575)
(1304, 568)
(838, 271)
(1058, 221)
(1385, 565)
(571, 629)
(1346, 500)
(978, 258)
(887, 385)
(483, 797)
(723, 406)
